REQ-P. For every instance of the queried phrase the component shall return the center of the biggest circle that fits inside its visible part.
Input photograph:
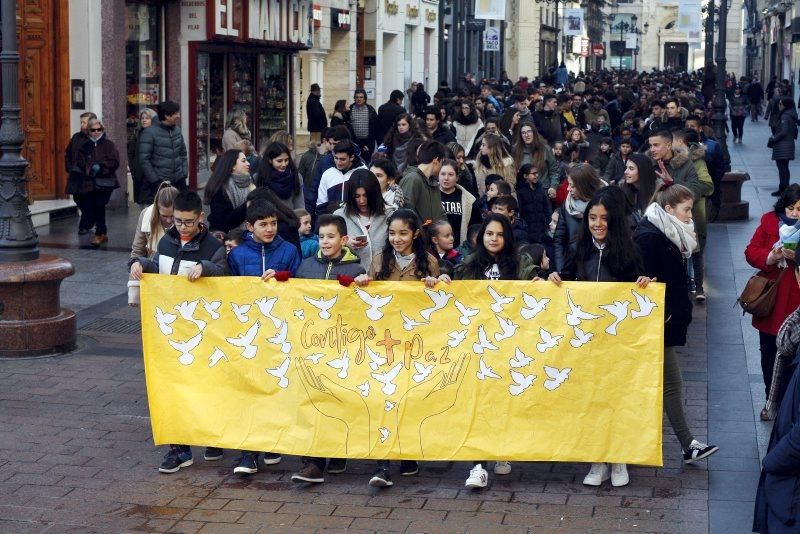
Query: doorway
(676, 56)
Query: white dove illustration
(300, 314)
(164, 321)
(499, 300)
(216, 357)
(533, 307)
(343, 364)
(280, 373)
(324, 306)
(375, 359)
(548, 341)
(245, 341)
(521, 382)
(508, 328)
(212, 308)
(410, 324)
(576, 314)
(423, 372)
(456, 337)
(466, 313)
(645, 305)
(620, 312)
(364, 389)
(187, 309)
(555, 377)
(186, 348)
(384, 433)
(581, 338)
(280, 338)
(265, 306)
(483, 343)
(389, 406)
(315, 358)
(241, 311)
(387, 379)
(375, 303)
(440, 299)
(520, 359)
(485, 371)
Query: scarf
(575, 207)
(283, 183)
(237, 188)
(403, 261)
(679, 233)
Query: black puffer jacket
(162, 155)
(173, 257)
(534, 208)
(785, 134)
(567, 230)
(663, 260)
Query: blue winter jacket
(252, 258)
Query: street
(76, 451)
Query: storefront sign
(277, 21)
(227, 17)
(193, 20)
(490, 9)
(340, 19)
(491, 40)
(584, 47)
(317, 15)
(598, 49)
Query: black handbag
(105, 183)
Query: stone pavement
(76, 450)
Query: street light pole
(720, 102)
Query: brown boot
(99, 239)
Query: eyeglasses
(185, 224)
(95, 129)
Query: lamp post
(720, 103)
(31, 319)
(625, 27)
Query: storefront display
(143, 54)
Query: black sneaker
(700, 297)
(337, 466)
(698, 451)
(381, 478)
(247, 464)
(176, 457)
(212, 453)
(310, 473)
(272, 458)
(408, 468)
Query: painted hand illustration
(164, 321)
(620, 312)
(212, 308)
(521, 382)
(265, 306)
(440, 299)
(484, 371)
(323, 305)
(576, 314)
(467, 313)
(555, 377)
(280, 338)
(533, 307)
(432, 397)
(499, 300)
(216, 357)
(241, 311)
(581, 338)
(387, 379)
(338, 402)
(342, 364)
(375, 359)
(549, 341)
(186, 348)
(422, 372)
(187, 309)
(645, 305)
(280, 373)
(508, 328)
(245, 341)
(483, 343)
(375, 303)
(456, 337)
(410, 324)
(520, 359)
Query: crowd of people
(599, 177)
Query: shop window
(143, 54)
(273, 98)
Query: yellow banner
(467, 371)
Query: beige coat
(508, 172)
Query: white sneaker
(478, 477)
(598, 474)
(619, 475)
(502, 468)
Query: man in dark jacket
(783, 141)
(363, 122)
(388, 113)
(317, 120)
(435, 130)
(755, 94)
(548, 120)
(162, 151)
(674, 167)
